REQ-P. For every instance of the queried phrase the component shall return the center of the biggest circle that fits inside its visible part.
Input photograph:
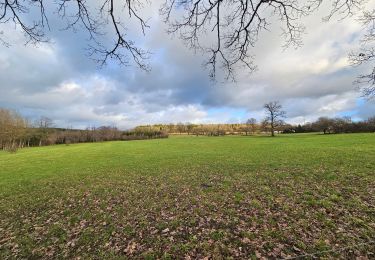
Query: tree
(189, 128)
(371, 123)
(246, 128)
(12, 130)
(323, 124)
(235, 25)
(264, 126)
(275, 115)
(180, 128)
(44, 124)
(252, 124)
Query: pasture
(216, 197)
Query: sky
(58, 79)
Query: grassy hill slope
(191, 196)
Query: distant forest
(17, 132)
(323, 124)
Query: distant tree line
(334, 126)
(252, 126)
(203, 129)
(17, 132)
(272, 123)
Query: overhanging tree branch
(365, 56)
(226, 30)
(78, 14)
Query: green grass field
(238, 197)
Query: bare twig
(238, 24)
(79, 14)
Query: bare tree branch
(238, 24)
(12, 11)
(235, 24)
(344, 8)
(115, 53)
(79, 14)
(366, 55)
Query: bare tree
(274, 115)
(252, 124)
(180, 127)
(44, 124)
(12, 130)
(189, 128)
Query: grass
(238, 197)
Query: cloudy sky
(59, 81)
